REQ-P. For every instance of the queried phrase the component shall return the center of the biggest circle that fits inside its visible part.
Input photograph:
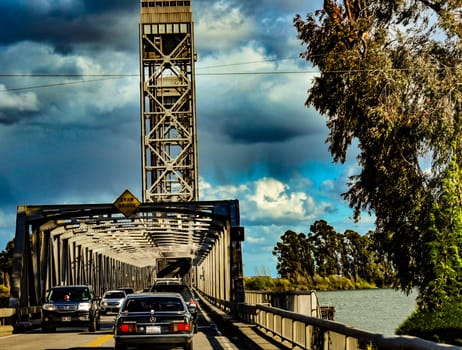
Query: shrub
(341, 282)
(264, 283)
(282, 284)
(362, 284)
(443, 325)
(321, 283)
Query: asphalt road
(209, 336)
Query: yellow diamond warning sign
(127, 203)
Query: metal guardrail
(6, 314)
(307, 332)
(20, 317)
(297, 331)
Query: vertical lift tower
(169, 138)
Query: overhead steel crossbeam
(156, 230)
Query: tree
(357, 256)
(443, 283)
(326, 244)
(390, 79)
(6, 266)
(294, 256)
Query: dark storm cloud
(99, 6)
(13, 116)
(251, 127)
(80, 22)
(68, 164)
(254, 132)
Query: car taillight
(127, 327)
(180, 327)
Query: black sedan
(184, 290)
(154, 319)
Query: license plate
(153, 330)
(66, 318)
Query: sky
(76, 140)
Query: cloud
(61, 100)
(270, 207)
(66, 25)
(273, 199)
(22, 101)
(71, 129)
(268, 202)
(221, 26)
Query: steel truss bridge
(98, 245)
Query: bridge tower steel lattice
(168, 102)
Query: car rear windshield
(114, 295)
(69, 294)
(153, 304)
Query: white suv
(111, 301)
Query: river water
(374, 310)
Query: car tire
(188, 346)
(93, 325)
(119, 346)
(46, 329)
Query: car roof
(170, 287)
(153, 294)
(168, 280)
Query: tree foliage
(311, 260)
(390, 79)
(443, 282)
(6, 266)
(295, 257)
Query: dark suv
(70, 306)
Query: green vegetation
(390, 83)
(327, 260)
(267, 283)
(442, 326)
(6, 265)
